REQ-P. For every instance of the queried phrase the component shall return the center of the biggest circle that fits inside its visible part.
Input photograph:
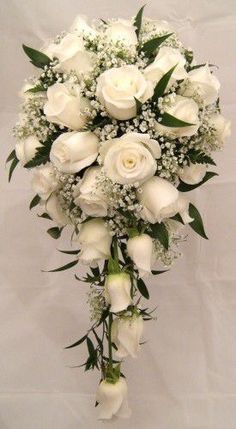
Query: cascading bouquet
(120, 123)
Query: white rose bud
(126, 333)
(55, 211)
(72, 55)
(140, 250)
(44, 180)
(130, 158)
(222, 127)
(117, 291)
(112, 399)
(123, 31)
(192, 173)
(73, 151)
(202, 81)
(118, 87)
(167, 58)
(95, 241)
(81, 27)
(88, 194)
(66, 106)
(157, 197)
(26, 149)
(186, 110)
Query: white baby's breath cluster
(118, 125)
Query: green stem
(110, 342)
(115, 249)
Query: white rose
(73, 151)
(221, 125)
(65, 106)
(81, 27)
(72, 55)
(44, 180)
(202, 81)
(126, 333)
(26, 149)
(123, 31)
(140, 250)
(55, 211)
(95, 241)
(157, 195)
(130, 158)
(186, 110)
(117, 291)
(167, 58)
(117, 89)
(112, 399)
(192, 173)
(88, 194)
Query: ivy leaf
(77, 343)
(13, 165)
(197, 223)
(142, 288)
(63, 268)
(151, 46)
(55, 232)
(35, 201)
(162, 84)
(160, 232)
(138, 21)
(138, 106)
(171, 121)
(199, 157)
(38, 59)
(184, 187)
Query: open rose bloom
(118, 126)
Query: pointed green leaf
(142, 288)
(77, 343)
(69, 252)
(156, 273)
(95, 271)
(45, 216)
(171, 121)
(138, 21)
(197, 223)
(160, 232)
(177, 218)
(55, 232)
(63, 268)
(151, 46)
(12, 168)
(184, 187)
(38, 59)
(35, 89)
(138, 106)
(11, 156)
(198, 157)
(35, 201)
(90, 347)
(162, 84)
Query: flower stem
(110, 342)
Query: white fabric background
(185, 377)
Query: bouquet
(117, 127)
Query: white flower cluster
(120, 123)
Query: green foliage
(35, 89)
(37, 58)
(41, 156)
(35, 201)
(77, 343)
(171, 121)
(184, 187)
(152, 45)
(142, 288)
(138, 21)
(160, 232)
(14, 162)
(138, 106)
(63, 268)
(55, 232)
(198, 157)
(161, 86)
(197, 223)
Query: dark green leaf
(77, 343)
(156, 273)
(160, 232)
(38, 59)
(138, 21)
(95, 271)
(69, 252)
(177, 218)
(90, 346)
(162, 84)
(63, 268)
(198, 66)
(151, 46)
(12, 168)
(41, 156)
(184, 187)
(35, 201)
(11, 156)
(173, 122)
(142, 288)
(55, 232)
(138, 106)
(197, 223)
(35, 89)
(198, 157)
(45, 216)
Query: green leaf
(77, 343)
(45, 216)
(156, 273)
(198, 157)
(63, 268)
(142, 288)
(160, 232)
(162, 84)
(197, 223)
(41, 156)
(35, 89)
(138, 21)
(151, 46)
(184, 187)
(35, 201)
(113, 266)
(69, 252)
(177, 218)
(138, 106)
(11, 156)
(171, 121)
(90, 346)
(12, 168)
(38, 59)
(95, 271)
(55, 232)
